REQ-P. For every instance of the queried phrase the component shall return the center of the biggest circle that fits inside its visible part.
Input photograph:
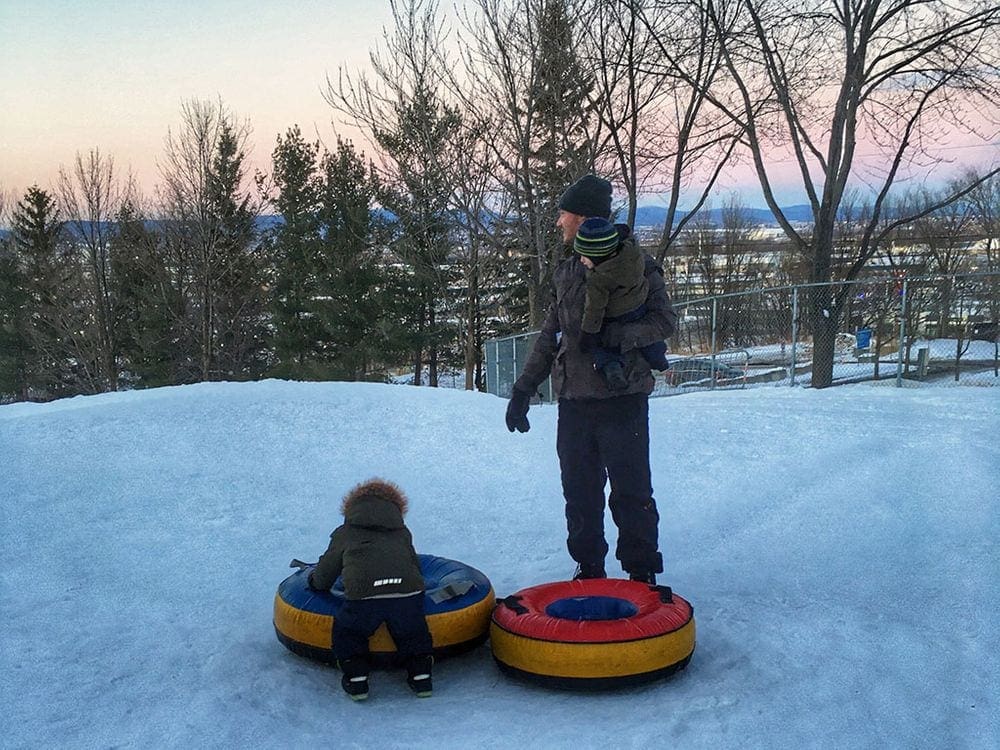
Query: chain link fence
(933, 330)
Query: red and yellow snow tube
(592, 634)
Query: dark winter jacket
(373, 549)
(557, 348)
(615, 286)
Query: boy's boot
(614, 376)
(355, 679)
(589, 570)
(418, 675)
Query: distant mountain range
(646, 216)
(655, 216)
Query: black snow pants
(358, 619)
(603, 439)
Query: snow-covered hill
(839, 547)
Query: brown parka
(557, 348)
(373, 549)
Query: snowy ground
(978, 367)
(839, 547)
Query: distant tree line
(440, 233)
(97, 294)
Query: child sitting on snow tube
(373, 551)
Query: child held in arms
(373, 551)
(616, 291)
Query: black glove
(517, 411)
(589, 342)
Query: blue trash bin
(863, 338)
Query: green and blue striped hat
(596, 238)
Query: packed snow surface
(839, 548)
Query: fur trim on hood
(377, 489)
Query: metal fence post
(795, 333)
(513, 351)
(902, 335)
(715, 313)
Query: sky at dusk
(76, 75)
(82, 74)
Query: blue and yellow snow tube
(592, 634)
(458, 602)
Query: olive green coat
(614, 287)
(373, 549)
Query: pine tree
(239, 305)
(214, 259)
(418, 195)
(13, 327)
(562, 147)
(149, 305)
(354, 304)
(295, 249)
(331, 295)
(53, 321)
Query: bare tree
(209, 227)
(945, 232)
(985, 199)
(92, 195)
(523, 79)
(404, 111)
(654, 64)
(6, 201)
(480, 252)
(985, 202)
(895, 74)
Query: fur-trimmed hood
(375, 503)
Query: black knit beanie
(588, 196)
(596, 238)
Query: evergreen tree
(354, 304)
(148, 304)
(330, 292)
(562, 148)
(214, 258)
(52, 321)
(13, 327)
(418, 194)
(296, 248)
(239, 304)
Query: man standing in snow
(601, 434)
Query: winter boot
(643, 577)
(418, 675)
(355, 679)
(614, 376)
(589, 570)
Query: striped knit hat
(596, 238)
